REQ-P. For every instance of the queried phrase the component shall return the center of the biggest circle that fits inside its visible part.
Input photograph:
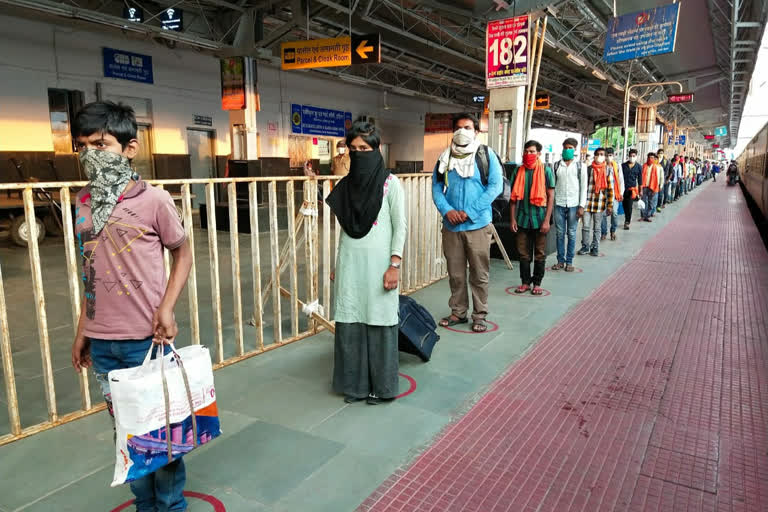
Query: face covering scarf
(356, 199)
(538, 193)
(108, 174)
(598, 173)
(460, 156)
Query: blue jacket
(468, 195)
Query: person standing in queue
(369, 204)
(632, 173)
(530, 208)
(463, 194)
(600, 194)
(570, 199)
(651, 186)
(612, 168)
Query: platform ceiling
(436, 49)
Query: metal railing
(309, 231)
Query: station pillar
(245, 141)
(506, 122)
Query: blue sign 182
(128, 66)
(307, 120)
(641, 34)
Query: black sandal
(452, 320)
(479, 326)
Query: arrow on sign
(363, 50)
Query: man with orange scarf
(653, 179)
(600, 195)
(531, 203)
(618, 192)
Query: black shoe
(351, 399)
(583, 251)
(375, 400)
(594, 253)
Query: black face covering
(356, 199)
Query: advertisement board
(233, 83)
(642, 34)
(507, 52)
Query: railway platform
(639, 383)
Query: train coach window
(63, 105)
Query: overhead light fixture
(617, 87)
(576, 60)
(598, 74)
(354, 79)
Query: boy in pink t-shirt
(122, 226)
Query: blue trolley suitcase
(417, 334)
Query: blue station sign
(127, 66)
(307, 120)
(642, 34)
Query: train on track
(753, 170)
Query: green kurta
(361, 264)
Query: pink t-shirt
(123, 266)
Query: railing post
(194, 309)
(234, 246)
(213, 254)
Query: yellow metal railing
(422, 265)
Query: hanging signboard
(709, 137)
(127, 66)
(642, 34)
(438, 123)
(329, 53)
(681, 140)
(133, 14)
(593, 144)
(233, 83)
(307, 120)
(507, 52)
(541, 102)
(721, 131)
(683, 97)
(172, 19)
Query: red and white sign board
(507, 55)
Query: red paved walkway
(670, 415)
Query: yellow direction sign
(317, 53)
(328, 53)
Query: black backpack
(482, 159)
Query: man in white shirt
(570, 199)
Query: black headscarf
(356, 199)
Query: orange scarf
(651, 177)
(538, 195)
(634, 192)
(616, 184)
(601, 180)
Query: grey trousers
(366, 360)
(591, 229)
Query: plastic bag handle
(167, 401)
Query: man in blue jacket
(463, 193)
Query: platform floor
(650, 395)
(638, 384)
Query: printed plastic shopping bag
(620, 210)
(640, 204)
(154, 406)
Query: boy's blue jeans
(162, 491)
(566, 223)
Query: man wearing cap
(340, 163)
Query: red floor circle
(511, 291)
(411, 389)
(575, 269)
(494, 327)
(217, 505)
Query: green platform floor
(289, 442)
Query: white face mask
(600, 159)
(463, 137)
(632, 159)
(610, 158)
(342, 151)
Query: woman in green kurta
(370, 207)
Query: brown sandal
(613, 237)
(452, 320)
(558, 266)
